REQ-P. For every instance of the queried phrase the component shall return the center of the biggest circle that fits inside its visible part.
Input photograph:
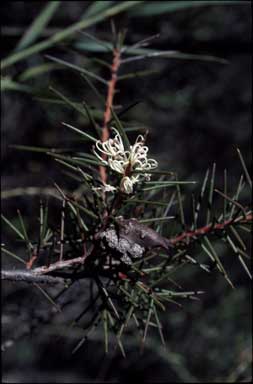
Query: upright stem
(109, 104)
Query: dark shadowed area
(197, 112)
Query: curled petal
(140, 139)
(126, 185)
(116, 165)
(100, 158)
(100, 147)
(153, 163)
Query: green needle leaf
(77, 68)
(7, 84)
(248, 178)
(105, 322)
(180, 203)
(148, 320)
(82, 133)
(174, 55)
(159, 325)
(13, 255)
(214, 257)
(200, 199)
(164, 184)
(97, 6)
(154, 219)
(38, 25)
(149, 202)
(225, 193)
(16, 230)
(67, 32)
(38, 70)
(155, 8)
(28, 243)
(210, 197)
(121, 130)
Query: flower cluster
(124, 162)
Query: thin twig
(209, 228)
(58, 266)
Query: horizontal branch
(187, 235)
(30, 277)
(58, 266)
(45, 274)
(42, 274)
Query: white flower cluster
(126, 162)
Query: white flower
(126, 162)
(112, 147)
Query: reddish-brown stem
(209, 228)
(38, 272)
(29, 264)
(109, 104)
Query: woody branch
(109, 104)
(42, 274)
(30, 277)
(187, 235)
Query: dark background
(197, 113)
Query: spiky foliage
(128, 241)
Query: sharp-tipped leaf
(156, 8)
(38, 25)
(82, 133)
(67, 32)
(77, 68)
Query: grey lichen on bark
(125, 247)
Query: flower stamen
(126, 162)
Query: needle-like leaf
(248, 178)
(38, 25)
(210, 197)
(77, 68)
